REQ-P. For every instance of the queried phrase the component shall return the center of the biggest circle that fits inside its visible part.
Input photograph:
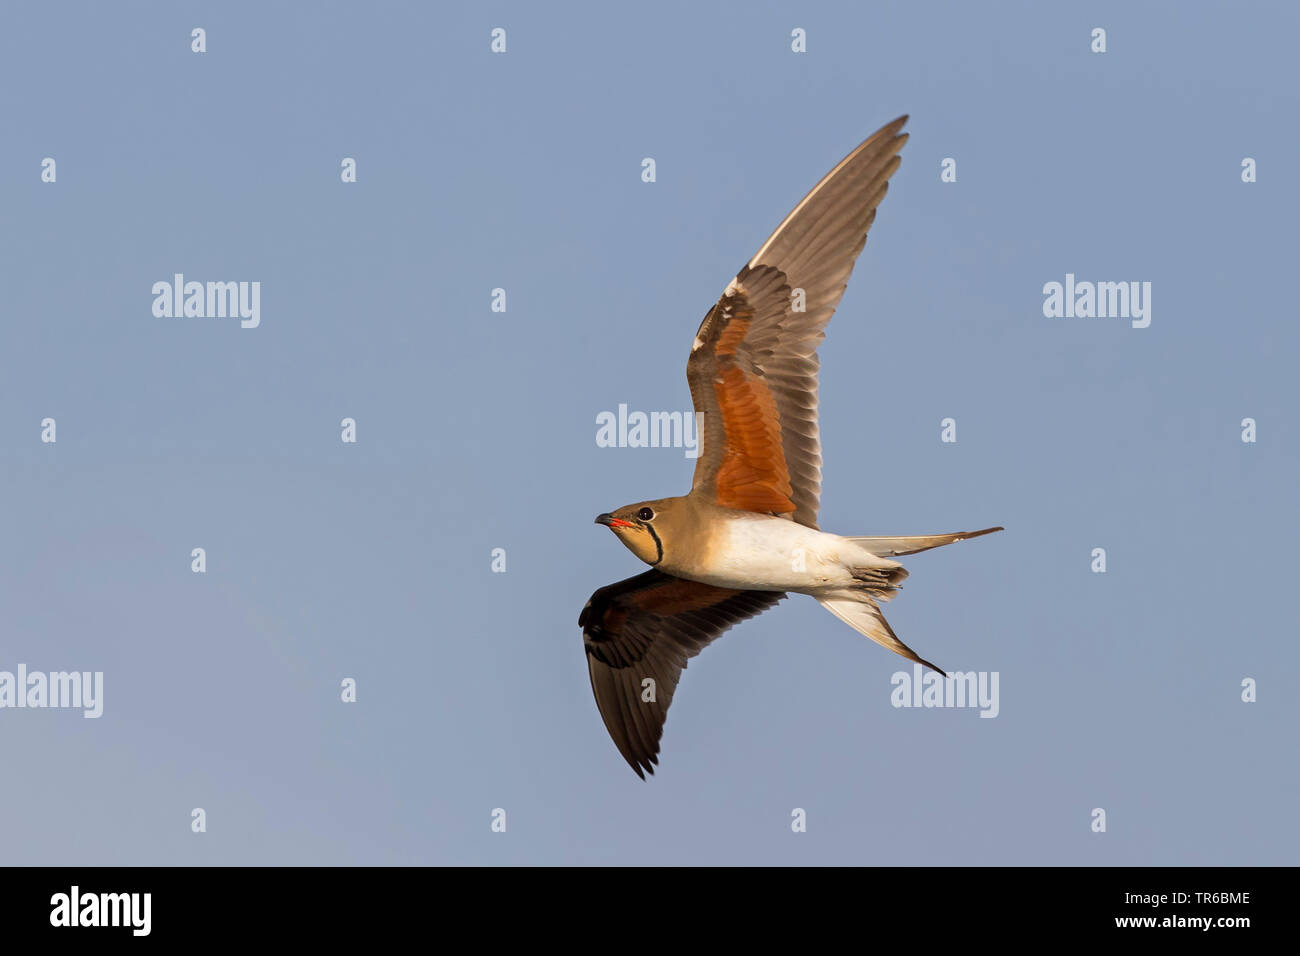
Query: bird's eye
(645, 514)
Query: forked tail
(912, 543)
(863, 614)
(857, 606)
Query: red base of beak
(609, 519)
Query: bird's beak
(611, 521)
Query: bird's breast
(765, 553)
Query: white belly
(775, 554)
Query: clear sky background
(476, 430)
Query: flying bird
(747, 532)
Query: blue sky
(476, 429)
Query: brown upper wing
(648, 627)
(753, 366)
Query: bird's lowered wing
(753, 365)
(647, 627)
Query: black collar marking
(658, 544)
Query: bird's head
(643, 527)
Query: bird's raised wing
(753, 365)
(647, 627)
